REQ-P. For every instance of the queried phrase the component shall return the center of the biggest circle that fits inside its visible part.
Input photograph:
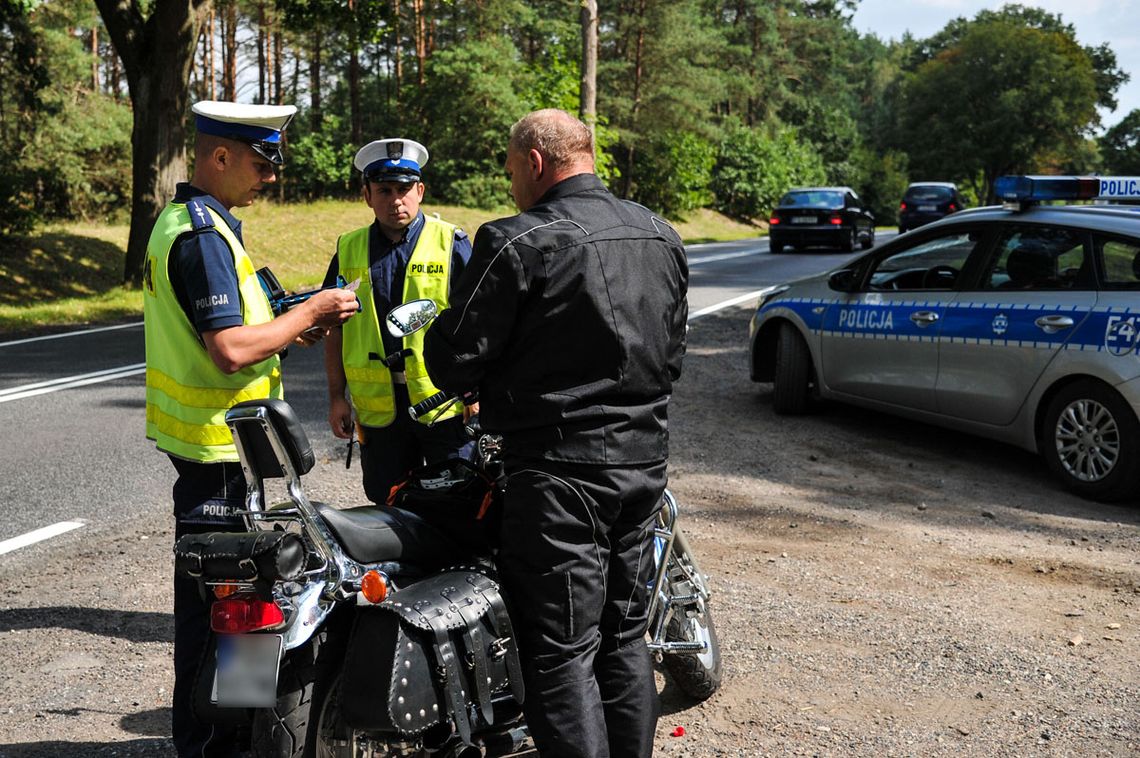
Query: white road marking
(71, 334)
(70, 382)
(721, 257)
(725, 304)
(39, 535)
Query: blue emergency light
(1020, 190)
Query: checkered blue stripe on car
(1097, 328)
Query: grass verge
(66, 275)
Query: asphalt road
(72, 408)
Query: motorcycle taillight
(244, 613)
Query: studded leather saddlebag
(431, 652)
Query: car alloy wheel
(1090, 436)
(1087, 440)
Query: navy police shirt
(202, 266)
(387, 261)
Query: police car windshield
(812, 199)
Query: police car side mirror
(843, 280)
(410, 317)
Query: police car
(1019, 322)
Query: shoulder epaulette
(200, 217)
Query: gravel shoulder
(880, 588)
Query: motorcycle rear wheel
(697, 674)
(307, 678)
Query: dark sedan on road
(821, 217)
(924, 202)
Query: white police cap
(259, 126)
(391, 160)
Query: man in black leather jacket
(570, 323)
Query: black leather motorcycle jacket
(570, 321)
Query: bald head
(562, 140)
(546, 147)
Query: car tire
(775, 248)
(1090, 438)
(791, 381)
(849, 242)
(869, 241)
(902, 229)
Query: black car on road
(924, 202)
(821, 216)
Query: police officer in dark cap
(402, 255)
(211, 342)
(570, 322)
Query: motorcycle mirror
(410, 317)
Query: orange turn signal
(222, 591)
(374, 586)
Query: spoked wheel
(1090, 438)
(697, 674)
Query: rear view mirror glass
(410, 317)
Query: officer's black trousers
(203, 494)
(576, 559)
(388, 453)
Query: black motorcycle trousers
(575, 562)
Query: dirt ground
(880, 589)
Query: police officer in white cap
(211, 342)
(402, 255)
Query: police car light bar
(1015, 191)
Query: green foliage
(675, 173)
(881, 183)
(70, 147)
(1002, 99)
(1120, 146)
(467, 108)
(320, 162)
(755, 168)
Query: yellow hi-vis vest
(427, 276)
(187, 395)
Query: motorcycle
(358, 632)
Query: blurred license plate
(246, 675)
(927, 208)
(803, 219)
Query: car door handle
(924, 318)
(1052, 324)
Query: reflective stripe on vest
(187, 395)
(427, 276)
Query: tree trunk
(397, 61)
(356, 125)
(588, 91)
(639, 47)
(262, 49)
(315, 81)
(278, 98)
(229, 52)
(419, 25)
(94, 59)
(157, 55)
(212, 89)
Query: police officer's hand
(311, 336)
(332, 307)
(340, 417)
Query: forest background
(720, 104)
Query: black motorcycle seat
(372, 534)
